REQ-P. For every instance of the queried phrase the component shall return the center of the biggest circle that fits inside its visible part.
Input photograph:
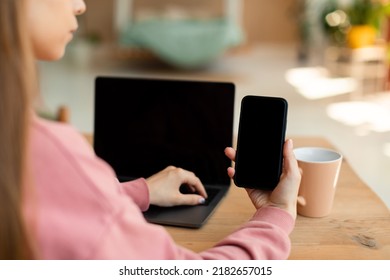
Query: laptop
(143, 125)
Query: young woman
(59, 201)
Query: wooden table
(357, 228)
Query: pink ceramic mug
(321, 168)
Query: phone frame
(268, 180)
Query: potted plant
(365, 18)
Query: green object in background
(183, 43)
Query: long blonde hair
(17, 84)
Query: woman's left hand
(164, 188)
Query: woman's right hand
(164, 188)
(284, 196)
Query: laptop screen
(144, 125)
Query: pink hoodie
(78, 210)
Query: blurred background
(328, 58)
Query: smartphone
(261, 136)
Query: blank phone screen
(260, 142)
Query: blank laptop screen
(145, 125)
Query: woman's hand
(164, 188)
(285, 194)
